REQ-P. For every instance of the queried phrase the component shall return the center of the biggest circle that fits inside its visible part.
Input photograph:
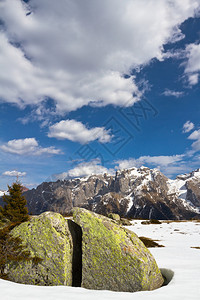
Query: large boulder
(47, 237)
(92, 251)
(113, 258)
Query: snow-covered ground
(177, 255)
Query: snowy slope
(177, 255)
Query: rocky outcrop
(193, 191)
(135, 193)
(91, 251)
(114, 258)
(186, 189)
(47, 237)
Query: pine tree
(15, 209)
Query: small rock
(114, 217)
(125, 222)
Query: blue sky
(94, 86)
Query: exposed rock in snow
(187, 188)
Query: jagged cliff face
(138, 193)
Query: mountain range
(134, 193)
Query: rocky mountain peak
(195, 174)
(135, 192)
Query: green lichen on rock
(93, 251)
(48, 238)
(113, 257)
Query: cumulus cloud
(195, 135)
(176, 94)
(188, 126)
(192, 68)
(77, 52)
(14, 173)
(77, 132)
(83, 169)
(28, 146)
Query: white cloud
(176, 54)
(40, 113)
(28, 146)
(176, 94)
(193, 78)
(126, 163)
(178, 168)
(14, 173)
(77, 132)
(195, 135)
(192, 68)
(83, 169)
(158, 161)
(162, 160)
(169, 165)
(76, 52)
(188, 126)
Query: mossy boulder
(91, 251)
(114, 258)
(46, 237)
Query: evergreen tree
(15, 209)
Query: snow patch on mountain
(178, 188)
(135, 192)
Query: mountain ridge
(135, 193)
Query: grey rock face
(193, 191)
(143, 192)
